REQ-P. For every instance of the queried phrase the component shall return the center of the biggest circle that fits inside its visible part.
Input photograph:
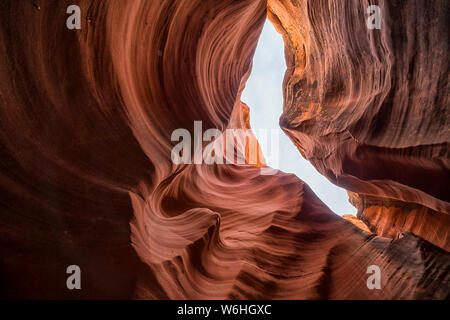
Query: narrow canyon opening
(263, 94)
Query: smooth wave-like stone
(388, 217)
(87, 177)
(369, 108)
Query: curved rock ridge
(388, 217)
(87, 178)
(369, 107)
(277, 240)
(87, 115)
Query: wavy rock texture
(388, 217)
(369, 108)
(87, 178)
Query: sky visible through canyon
(263, 94)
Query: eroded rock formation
(369, 108)
(86, 120)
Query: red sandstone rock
(86, 121)
(369, 108)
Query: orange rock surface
(369, 108)
(85, 143)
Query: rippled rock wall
(369, 108)
(85, 143)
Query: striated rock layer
(86, 121)
(369, 108)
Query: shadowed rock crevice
(87, 178)
(369, 108)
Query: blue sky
(263, 94)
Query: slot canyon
(87, 178)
